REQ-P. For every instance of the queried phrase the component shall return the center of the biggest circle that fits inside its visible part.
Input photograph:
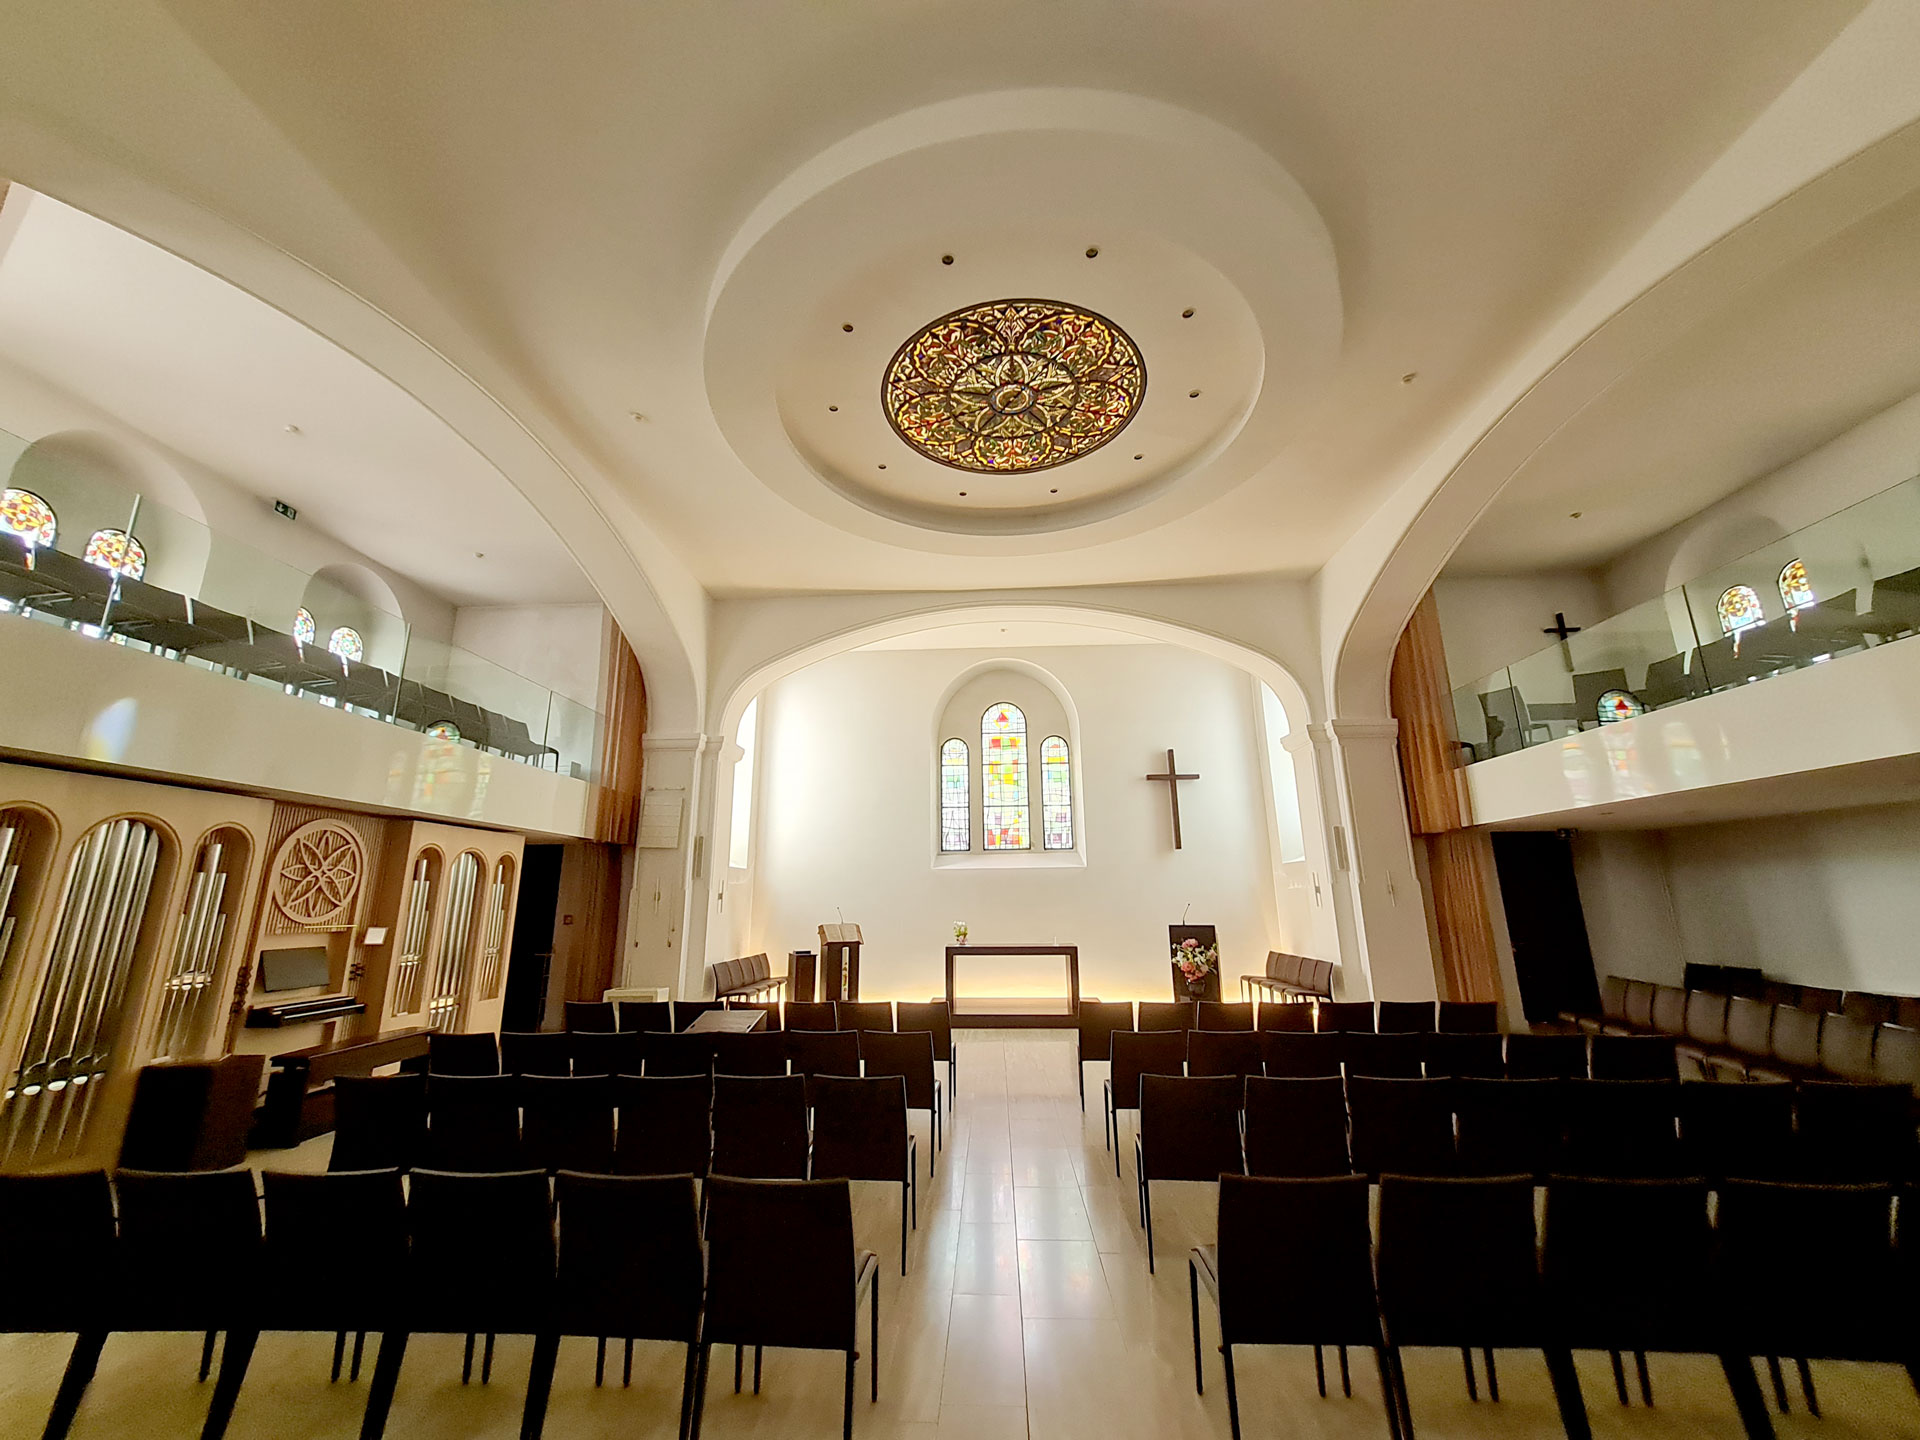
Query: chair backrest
(362, 1213)
(598, 1053)
(630, 1257)
(1669, 1010)
(1396, 1056)
(1707, 1018)
(1478, 1055)
(1468, 1017)
(1294, 1056)
(666, 1125)
(1224, 1015)
(1613, 999)
(1346, 1017)
(780, 1264)
(768, 1008)
(1294, 1017)
(685, 1012)
(727, 975)
(378, 1121)
(1137, 1053)
(1317, 1287)
(1846, 1047)
(1456, 1261)
(1547, 1057)
(473, 1122)
(1665, 1223)
(908, 1054)
(463, 1055)
(1634, 1057)
(535, 1053)
(1296, 1127)
(810, 1015)
(1743, 1131)
(1316, 977)
(932, 1017)
(1166, 1015)
(1750, 1026)
(1406, 1017)
(1622, 1129)
(567, 1123)
(1830, 1307)
(680, 1054)
(1190, 1127)
(589, 1015)
(1223, 1052)
(1508, 1127)
(1867, 1005)
(862, 1015)
(1098, 1020)
(823, 1052)
(757, 1053)
(635, 1015)
(860, 1128)
(482, 1253)
(62, 1250)
(1796, 1036)
(1896, 1057)
(1401, 1127)
(760, 1126)
(176, 1230)
(1639, 1005)
(1852, 1133)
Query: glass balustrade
(1840, 585)
(197, 597)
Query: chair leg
(757, 1352)
(739, 1355)
(81, 1364)
(466, 1365)
(206, 1356)
(599, 1361)
(1233, 1396)
(1320, 1371)
(1619, 1377)
(1807, 1391)
(1747, 1398)
(235, 1355)
(1473, 1384)
(1566, 1394)
(1193, 1294)
(359, 1347)
(1400, 1388)
(1493, 1378)
(533, 1415)
(692, 1370)
(1146, 1208)
(1081, 1066)
(1346, 1380)
(386, 1375)
(873, 1340)
(700, 1389)
(1646, 1380)
(1779, 1383)
(486, 1361)
(626, 1371)
(1388, 1399)
(339, 1354)
(846, 1423)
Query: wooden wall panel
(1458, 863)
(1421, 702)
(614, 809)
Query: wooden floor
(1028, 1312)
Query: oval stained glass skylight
(1013, 385)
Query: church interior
(714, 717)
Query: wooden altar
(1040, 1012)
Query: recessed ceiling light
(1409, 377)
(1576, 515)
(848, 327)
(293, 429)
(963, 494)
(883, 464)
(1139, 457)
(1193, 394)
(946, 259)
(1186, 314)
(479, 554)
(1093, 252)
(833, 408)
(636, 417)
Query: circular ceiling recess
(1013, 385)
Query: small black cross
(1560, 627)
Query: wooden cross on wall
(1173, 779)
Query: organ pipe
(450, 969)
(493, 935)
(413, 942)
(196, 957)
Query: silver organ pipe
(456, 935)
(196, 958)
(493, 935)
(413, 941)
(77, 1016)
(13, 843)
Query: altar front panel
(1013, 983)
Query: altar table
(1051, 1009)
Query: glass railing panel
(515, 708)
(1543, 696)
(573, 729)
(1631, 662)
(1485, 719)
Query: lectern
(840, 962)
(1206, 935)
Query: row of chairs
(1197, 1127)
(596, 1256)
(1458, 1263)
(1875, 1007)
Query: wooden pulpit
(800, 968)
(1206, 935)
(840, 962)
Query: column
(1382, 886)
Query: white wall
(848, 818)
(558, 646)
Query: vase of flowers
(959, 932)
(1196, 962)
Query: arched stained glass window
(1739, 608)
(1056, 794)
(442, 730)
(117, 551)
(956, 820)
(346, 644)
(25, 514)
(1005, 812)
(1796, 590)
(303, 626)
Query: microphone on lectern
(1186, 912)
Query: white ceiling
(1014, 635)
(218, 376)
(1804, 354)
(591, 188)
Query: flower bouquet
(1196, 962)
(960, 932)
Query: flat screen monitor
(293, 969)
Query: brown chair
(1508, 1127)
(638, 1015)
(1737, 1131)
(934, 1017)
(1288, 1055)
(768, 1008)
(803, 1293)
(685, 1012)
(910, 1056)
(55, 1283)
(630, 1264)
(566, 1123)
(1547, 1057)
(379, 1122)
(537, 1053)
(1406, 1017)
(681, 1054)
(860, 1015)
(1401, 1127)
(594, 1015)
(1136, 1053)
(473, 1122)
(760, 1127)
(1397, 1056)
(1849, 1133)
(1189, 1130)
(1622, 1129)
(860, 1133)
(1290, 1016)
(1634, 1057)
(1316, 1293)
(1296, 1128)
(1228, 1052)
(666, 1125)
(597, 1053)
(462, 1055)
(809, 1015)
(756, 1053)
(1468, 1017)
(1224, 1015)
(1097, 1021)
(1869, 1006)
(1669, 1017)
(1345, 1017)
(823, 1052)
(1476, 1055)
(1166, 1015)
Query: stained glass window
(1056, 794)
(956, 822)
(1618, 705)
(345, 643)
(443, 730)
(1796, 589)
(1739, 608)
(116, 550)
(25, 514)
(303, 626)
(1013, 385)
(1004, 810)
